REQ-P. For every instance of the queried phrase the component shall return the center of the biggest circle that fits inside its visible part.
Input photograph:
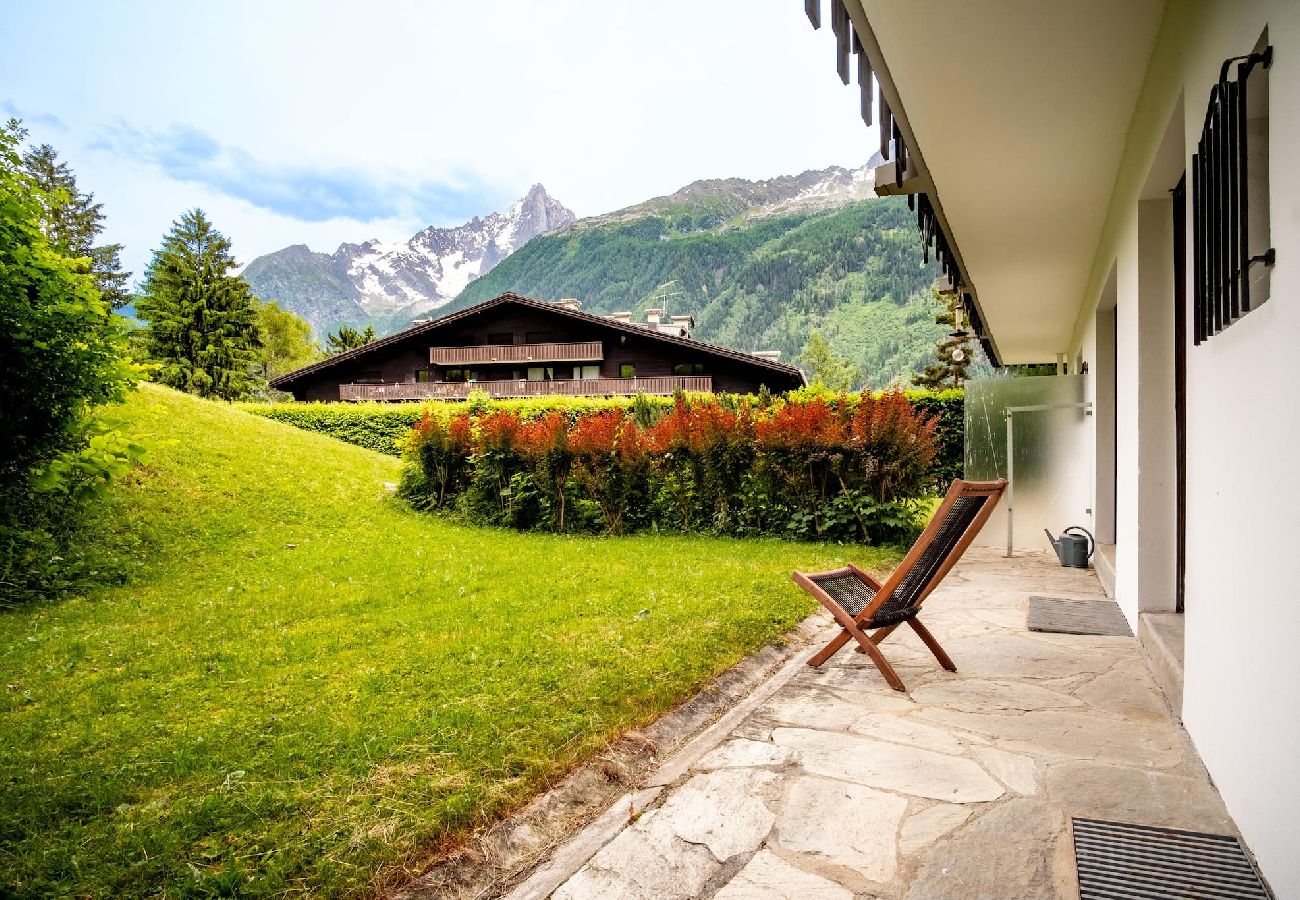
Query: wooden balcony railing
(586, 387)
(586, 351)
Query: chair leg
(883, 665)
(924, 634)
(830, 649)
(865, 645)
(879, 635)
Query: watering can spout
(1056, 545)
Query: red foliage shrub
(696, 427)
(460, 432)
(499, 431)
(803, 426)
(605, 432)
(544, 434)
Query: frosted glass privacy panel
(1052, 479)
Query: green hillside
(302, 687)
(854, 273)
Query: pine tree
(954, 356)
(202, 320)
(346, 339)
(72, 221)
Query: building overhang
(1014, 114)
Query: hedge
(385, 426)
(810, 467)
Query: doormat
(1117, 859)
(1064, 616)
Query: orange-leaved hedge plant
(842, 468)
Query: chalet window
(1231, 251)
(585, 372)
(688, 369)
(627, 370)
(541, 373)
(501, 337)
(539, 337)
(423, 376)
(455, 375)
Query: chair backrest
(959, 518)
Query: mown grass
(303, 687)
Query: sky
(323, 122)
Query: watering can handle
(1092, 542)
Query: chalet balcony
(585, 387)
(585, 351)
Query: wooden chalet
(514, 346)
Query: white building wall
(1243, 603)
(1242, 670)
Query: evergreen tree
(72, 221)
(286, 341)
(827, 369)
(346, 339)
(954, 356)
(202, 322)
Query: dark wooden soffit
(510, 298)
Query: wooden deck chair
(859, 603)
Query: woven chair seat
(853, 594)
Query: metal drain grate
(1139, 862)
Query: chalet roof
(509, 298)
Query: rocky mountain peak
(359, 283)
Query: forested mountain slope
(854, 273)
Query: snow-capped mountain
(721, 199)
(391, 284)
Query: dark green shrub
(62, 354)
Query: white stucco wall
(1240, 703)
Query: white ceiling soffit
(1020, 109)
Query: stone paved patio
(838, 787)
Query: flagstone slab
(927, 826)
(768, 877)
(1130, 794)
(723, 810)
(861, 837)
(809, 709)
(1006, 852)
(880, 698)
(894, 767)
(1015, 771)
(1074, 734)
(1017, 656)
(978, 695)
(744, 753)
(647, 860)
(903, 730)
(1127, 690)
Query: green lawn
(304, 687)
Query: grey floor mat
(1066, 616)
(1141, 862)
